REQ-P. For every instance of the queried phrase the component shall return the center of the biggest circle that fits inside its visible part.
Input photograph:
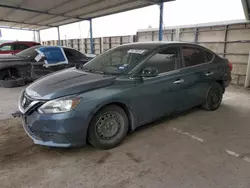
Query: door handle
(179, 81)
(209, 73)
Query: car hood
(67, 82)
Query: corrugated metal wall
(100, 44)
(231, 41)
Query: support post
(91, 37)
(101, 45)
(161, 21)
(196, 35)
(34, 36)
(110, 43)
(38, 37)
(177, 33)
(247, 81)
(172, 35)
(59, 39)
(86, 45)
(225, 42)
(121, 40)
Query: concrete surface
(8, 101)
(196, 149)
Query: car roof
(64, 47)
(154, 45)
(21, 42)
(38, 46)
(26, 42)
(157, 43)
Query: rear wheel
(108, 127)
(214, 97)
(10, 78)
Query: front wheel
(214, 97)
(108, 127)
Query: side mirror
(149, 72)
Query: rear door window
(193, 56)
(209, 56)
(165, 60)
(74, 55)
(20, 46)
(69, 53)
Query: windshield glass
(29, 53)
(116, 61)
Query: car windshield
(116, 61)
(28, 53)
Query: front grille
(26, 101)
(28, 104)
(34, 133)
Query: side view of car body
(16, 47)
(16, 69)
(120, 90)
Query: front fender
(95, 100)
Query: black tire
(214, 97)
(108, 127)
(21, 82)
(12, 83)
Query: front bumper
(56, 130)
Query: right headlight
(59, 105)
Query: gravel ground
(196, 149)
(8, 101)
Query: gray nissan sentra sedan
(120, 90)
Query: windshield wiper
(93, 71)
(98, 71)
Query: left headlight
(59, 105)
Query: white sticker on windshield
(136, 51)
(38, 57)
(121, 67)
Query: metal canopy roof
(246, 7)
(43, 14)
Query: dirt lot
(197, 149)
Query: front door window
(165, 60)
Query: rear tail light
(230, 66)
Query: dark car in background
(16, 47)
(120, 90)
(16, 69)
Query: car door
(158, 96)
(194, 87)
(6, 49)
